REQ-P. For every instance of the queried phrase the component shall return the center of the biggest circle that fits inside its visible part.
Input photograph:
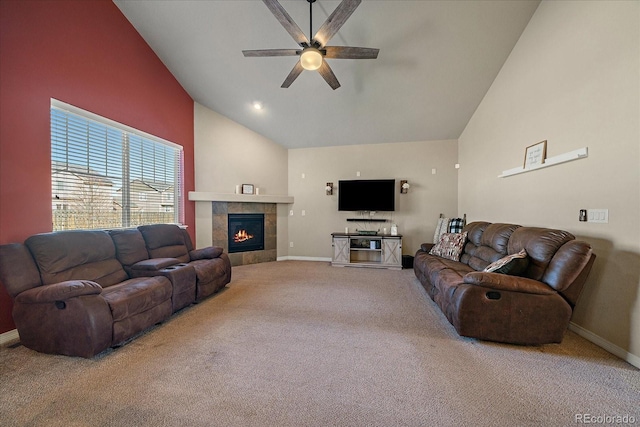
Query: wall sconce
(404, 186)
(329, 188)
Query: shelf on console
(580, 153)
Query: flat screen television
(367, 195)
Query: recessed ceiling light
(257, 105)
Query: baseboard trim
(303, 258)
(609, 346)
(9, 338)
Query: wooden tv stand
(360, 250)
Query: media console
(357, 250)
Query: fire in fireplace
(242, 236)
(246, 232)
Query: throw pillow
(450, 246)
(456, 225)
(513, 265)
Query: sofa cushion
(165, 241)
(76, 255)
(135, 296)
(18, 271)
(514, 264)
(450, 246)
(130, 246)
(208, 269)
(488, 245)
(541, 244)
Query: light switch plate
(598, 215)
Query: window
(98, 166)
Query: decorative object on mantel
(329, 189)
(535, 155)
(247, 189)
(580, 153)
(404, 186)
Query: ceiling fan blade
(349, 52)
(327, 73)
(271, 52)
(335, 21)
(295, 72)
(286, 21)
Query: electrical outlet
(291, 212)
(290, 244)
(303, 213)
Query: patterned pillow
(456, 225)
(450, 246)
(513, 265)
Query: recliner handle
(493, 295)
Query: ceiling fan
(313, 53)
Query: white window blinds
(108, 175)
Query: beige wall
(228, 154)
(572, 79)
(416, 212)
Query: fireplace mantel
(204, 196)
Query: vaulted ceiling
(437, 60)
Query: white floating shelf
(580, 153)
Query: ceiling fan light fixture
(311, 59)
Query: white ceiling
(437, 60)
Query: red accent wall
(87, 54)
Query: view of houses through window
(106, 175)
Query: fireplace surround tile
(220, 230)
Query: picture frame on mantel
(535, 155)
(247, 189)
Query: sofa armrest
(426, 247)
(59, 292)
(504, 282)
(153, 264)
(210, 252)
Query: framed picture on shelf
(535, 155)
(247, 188)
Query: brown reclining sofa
(78, 293)
(532, 308)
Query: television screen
(367, 195)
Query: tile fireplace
(234, 222)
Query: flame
(242, 236)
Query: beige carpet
(306, 344)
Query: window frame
(178, 199)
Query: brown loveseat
(78, 293)
(532, 308)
